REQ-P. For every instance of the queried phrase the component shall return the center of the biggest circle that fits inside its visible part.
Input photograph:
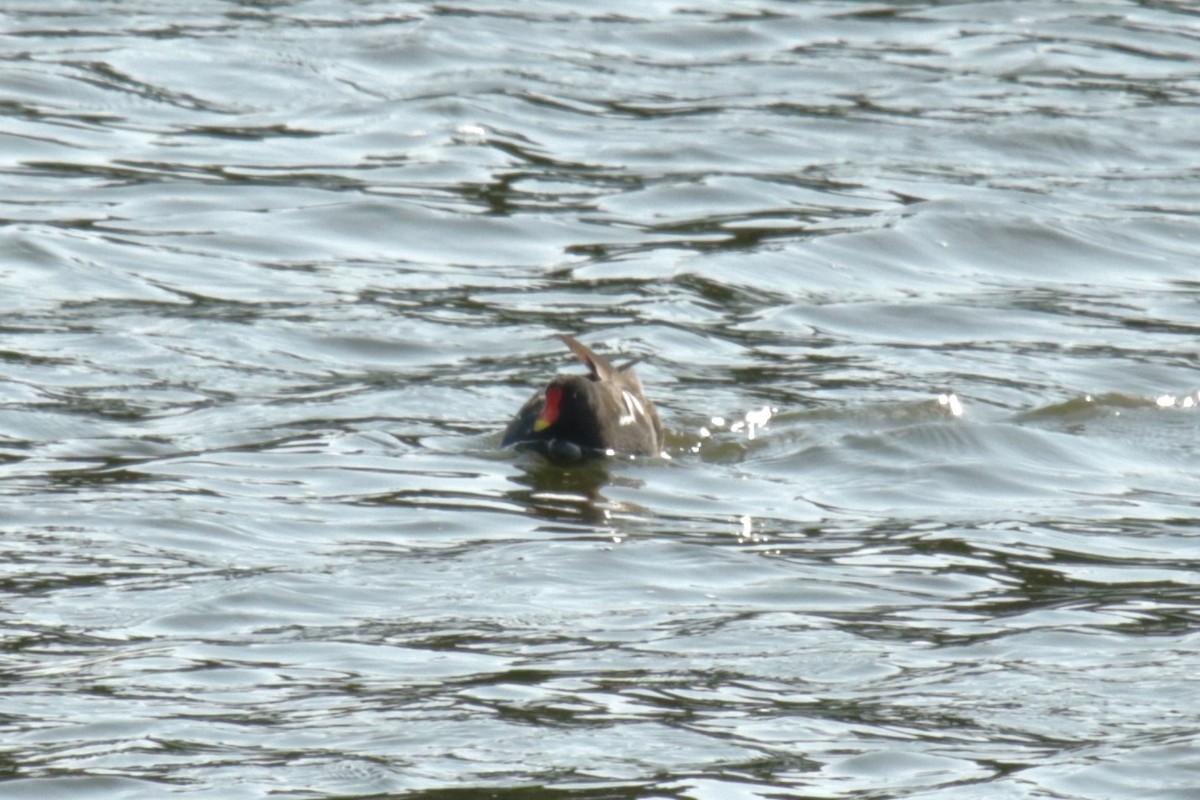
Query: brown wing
(600, 367)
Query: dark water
(918, 291)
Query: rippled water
(917, 287)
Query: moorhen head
(583, 416)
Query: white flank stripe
(633, 406)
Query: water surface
(916, 289)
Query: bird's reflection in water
(566, 493)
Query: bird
(579, 417)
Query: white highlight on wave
(753, 421)
(952, 404)
(1171, 401)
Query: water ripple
(911, 285)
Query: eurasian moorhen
(584, 416)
